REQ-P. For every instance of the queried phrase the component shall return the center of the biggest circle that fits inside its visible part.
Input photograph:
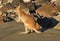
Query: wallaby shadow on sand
(47, 23)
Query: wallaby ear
(18, 7)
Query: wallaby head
(17, 9)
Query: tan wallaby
(48, 10)
(28, 20)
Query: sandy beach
(10, 32)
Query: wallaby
(47, 10)
(28, 20)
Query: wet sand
(9, 32)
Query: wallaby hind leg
(36, 31)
